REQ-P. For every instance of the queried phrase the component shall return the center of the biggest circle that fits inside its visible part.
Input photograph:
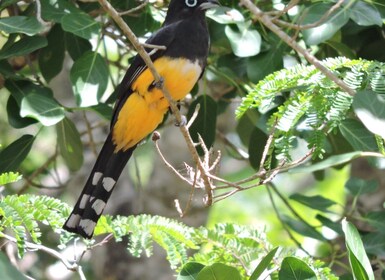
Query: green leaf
(246, 126)
(13, 114)
(370, 109)
(317, 202)
(294, 269)
(218, 271)
(256, 146)
(9, 177)
(103, 110)
(43, 108)
(190, 271)
(330, 224)
(325, 31)
(205, 123)
(265, 63)
(357, 135)
(332, 161)
(52, 56)
(302, 228)
(70, 144)
(89, 77)
(81, 25)
(341, 48)
(21, 24)
(24, 46)
(358, 259)
(244, 42)
(358, 186)
(76, 46)
(374, 243)
(376, 219)
(8, 270)
(365, 14)
(54, 10)
(263, 264)
(13, 155)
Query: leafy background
(316, 208)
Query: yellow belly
(144, 110)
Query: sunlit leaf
(89, 77)
(263, 264)
(327, 29)
(43, 108)
(359, 262)
(218, 271)
(294, 269)
(244, 41)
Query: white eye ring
(193, 4)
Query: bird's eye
(191, 3)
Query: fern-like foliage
(9, 177)
(241, 247)
(314, 105)
(21, 215)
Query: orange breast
(144, 110)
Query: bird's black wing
(163, 37)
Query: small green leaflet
(9, 177)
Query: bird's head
(179, 9)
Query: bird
(141, 106)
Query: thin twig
(310, 25)
(155, 138)
(133, 10)
(49, 251)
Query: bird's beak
(209, 4)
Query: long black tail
(97, 190)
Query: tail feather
(97, 189)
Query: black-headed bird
(141, 105)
